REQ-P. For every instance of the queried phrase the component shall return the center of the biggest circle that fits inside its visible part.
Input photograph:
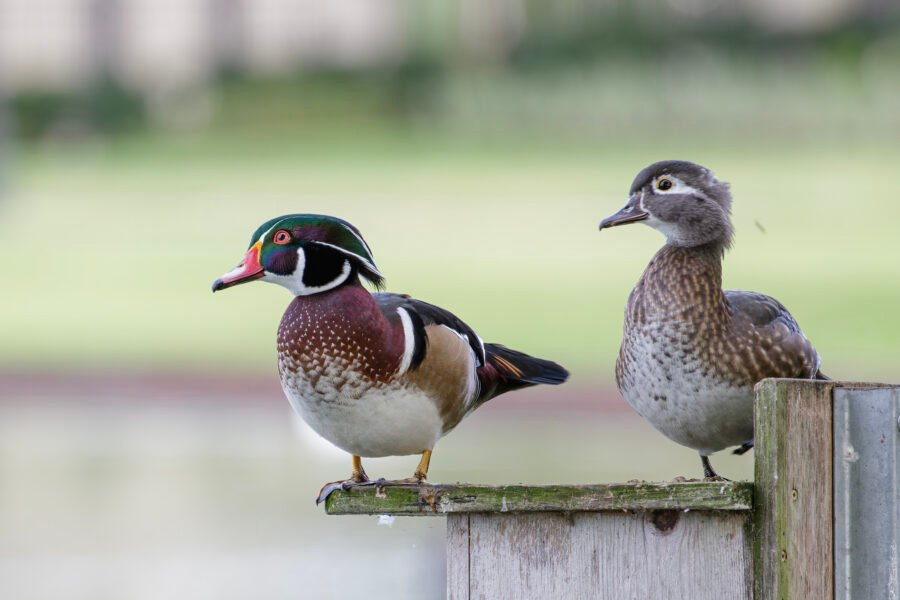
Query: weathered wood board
(599, 555)
(793, 510)
(440, 499)
(635, 540)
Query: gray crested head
(682, 200)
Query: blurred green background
(145, 448)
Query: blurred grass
(110, 247)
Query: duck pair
(381, 374)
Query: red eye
(282, 237)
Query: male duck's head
(307, 254)
(682, 200)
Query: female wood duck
(691, 352)
(375, 374)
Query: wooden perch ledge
(442, 499)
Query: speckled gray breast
(667, 381)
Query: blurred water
(166, 497)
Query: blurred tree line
(454, 49)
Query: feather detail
(423, 314)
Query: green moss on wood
(462, 498)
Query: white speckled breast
(390, 420)
(667, 384)
(339, 374)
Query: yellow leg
(422, 470)
(359, 474)
(419, 476)
(357, 477)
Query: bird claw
(378, 483)
(327, 490)
(346, 486)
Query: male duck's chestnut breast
(325, 356)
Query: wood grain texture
(458, 556)
(793, 512)
(599, 556)
(467, 498)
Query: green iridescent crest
(322, 230)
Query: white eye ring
(664, 184)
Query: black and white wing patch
(416, 315)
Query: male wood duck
(376, 374)
(691, 352)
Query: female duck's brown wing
(775, 345)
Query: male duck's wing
(449, 359)
(417, 316)
(442, 355)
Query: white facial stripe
(670, 230)
(266, 233)
(409, 340)
(678, 187)
(356, 235)
(368, 264)
(294, 281)
(361, 241)
(650, 218)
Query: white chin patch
(294, 281)
(667, 229)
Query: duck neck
(681, 283)
(349, 303)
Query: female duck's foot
(708, 472)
